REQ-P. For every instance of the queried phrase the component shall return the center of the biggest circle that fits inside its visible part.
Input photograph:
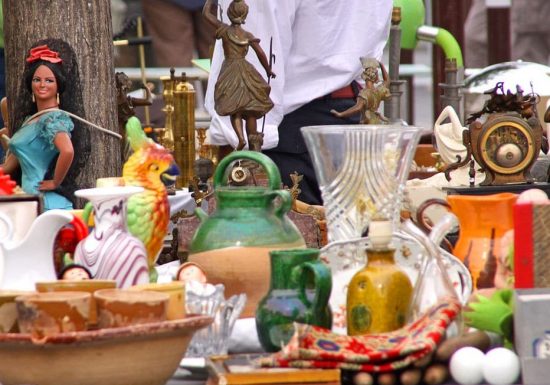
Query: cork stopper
(380, 234)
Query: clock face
(507, 147)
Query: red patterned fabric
(315, 347)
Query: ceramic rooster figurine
(149, 211)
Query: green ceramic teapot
(232, 245)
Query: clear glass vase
(361, 170)
(208, 299)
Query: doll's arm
(66, 153)
(5, 116)
(5, 130)
(10, 164)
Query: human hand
(47, 185)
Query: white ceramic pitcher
(24, 263)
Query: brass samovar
(178, 134)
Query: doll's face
(191, 273)
(76, 274)
(44, 84)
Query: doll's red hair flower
(42, 52)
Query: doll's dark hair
(71, 99)
(74, 266)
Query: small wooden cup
(176, 292)
(8, 311)
(118, 307)
(87, 285)
(46, 314)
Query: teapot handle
(286, 202)
(273, 174)
(322, 282)
(9, 228)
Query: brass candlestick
(166, 134)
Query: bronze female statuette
(370, 97)
(240, 91)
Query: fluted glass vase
(361, 170)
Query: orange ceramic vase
(483, 221)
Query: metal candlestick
(392, 107)
(451, 87)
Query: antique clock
(504, 137)
(506, 146)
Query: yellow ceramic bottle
(380, 294)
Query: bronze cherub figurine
(370, 97)
(125, 102)
(240, 91)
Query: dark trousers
(291, 154)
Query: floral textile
(315, 347)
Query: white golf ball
(466, 366)
(501, 367)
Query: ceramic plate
(346, 258)
(146, 354)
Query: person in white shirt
(317, 45)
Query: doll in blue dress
(41, 147)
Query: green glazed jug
(232, 245)
(299, 292)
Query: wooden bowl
(118, 307)
(176, 292)
(46, 314)
(8, 311)
(87, 285)
(147, 354)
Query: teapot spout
(31, 260)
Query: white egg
(501, 367)
(466, 366)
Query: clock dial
(506, 146)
